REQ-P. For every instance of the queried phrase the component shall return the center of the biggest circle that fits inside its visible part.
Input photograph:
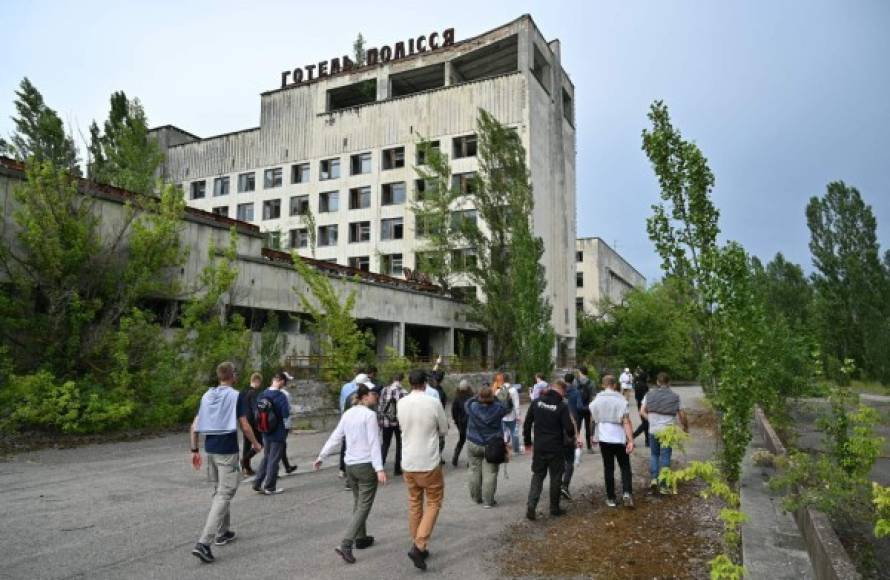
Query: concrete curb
(829, 559)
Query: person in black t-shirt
(247, 400)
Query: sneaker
(224, 539)
(611, 502)
(203, 553)
(665, 490)
(346, 554)
(653, 485)
(259, 490)
(347, 487)
(275, 491)
(558, 512)
(627, 500)
(366, 542)
(249, 472)
(565, 493)
(417, 557)
(530, 514)
(487, 506)
(342, 474)
(290, 470)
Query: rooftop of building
(487, 62)
(613, 250)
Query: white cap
(627, 370)
(362, 379)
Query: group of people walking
(488, 427)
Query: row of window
(390, 229)
(359, 164)
(359, 198)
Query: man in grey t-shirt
(662, 408)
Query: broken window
(220, 186)
(392, 229)
(272, 209)
(299, 205)
(246, 182)
(421, 153)
(328, 201)
(359, 232)
(352, 95)
(299, 238)
(464, 146)
(391, 264)
(362, 263)
(393, 193)
(330, 169)
(198, 189)
(221, 210)
(327, 235)
(360, 197)
(272, 178)
(360, 164)
(393, 158)
(299, 173)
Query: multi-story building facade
(601, 273)
(336, 150)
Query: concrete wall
(605, 275)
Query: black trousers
(542, 464)
(584, 419)
(343, 455)
(461, 440)
(644, 425)
(569, 469)
(247, 452)
(612, 452)
(388, 432)
(284, 460)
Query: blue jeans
(510, 428)
(660, 457)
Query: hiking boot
(275, 491)
(224, 539)
(558, 512)
(417, 557)
(530, 514)
(627, 500)
(346, 554)
(362, 543)
(565, 493)
(203, 553)
(611, 502)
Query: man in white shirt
(364, 465)
(614, 432)
(627, 384)
(539, 387)
(422, 419)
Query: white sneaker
(611, 503)
(274, 491)
(627, 500)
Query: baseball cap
(362, 379)
(283, 375)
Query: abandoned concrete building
(602, 273)
(399, 313)
(339, 142)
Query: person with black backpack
(549, 418)
(485, 446)
(272, 409)
(586, 391)
(248, 402)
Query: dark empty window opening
(393, 158)
(568, 110)
(352, 95)
(360, 164)
(464, 146)
(392, 193)
(541, 69)
(299, 173)
(359, 232)
(464, 183)
(362, 263)
(417, 80)
(495, 59)
(360, 198)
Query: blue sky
(781, 96)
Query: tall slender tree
(39, 131)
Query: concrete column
(383, 91)
(399, 338)
(449, 349)
(526, 49)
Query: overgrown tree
(851, 285)
(39, 131)
(506, 255)
(124, 155)
(342, 344)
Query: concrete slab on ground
(772, 545)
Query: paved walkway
(134, 510)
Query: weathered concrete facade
(368, 121)
(393, 309)
(602, 274)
